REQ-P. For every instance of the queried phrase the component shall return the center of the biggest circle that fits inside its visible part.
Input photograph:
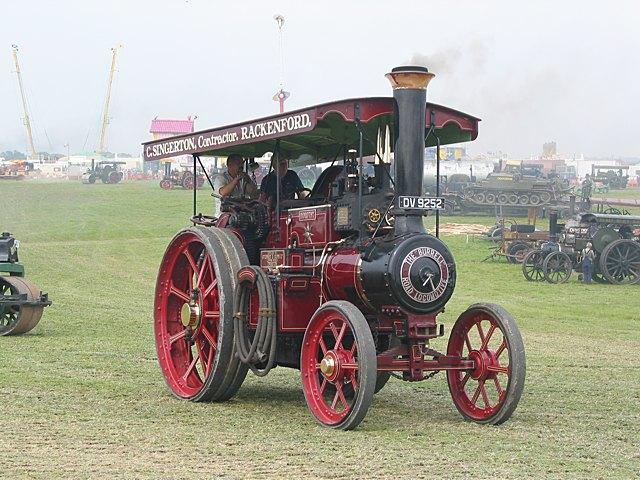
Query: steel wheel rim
(480, 393)
(531, 267)
(187, 364)
(622, 263)
(558, 267)
(331, 392)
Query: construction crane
(27, 122)
(105, 112)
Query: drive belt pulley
(258, 353)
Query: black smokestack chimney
(553, 225)
(410, 93)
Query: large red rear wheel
(193, 312)
(488, 335)
(338, 365)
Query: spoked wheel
(532, 266)
(557, 267)
(193, 312)
(187, 182)
(517, 251)
(488, 335)
(166, 184)
(115, 177)
(620, 262)
(338, 365)
(18, 319)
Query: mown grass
(82, 395)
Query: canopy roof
(313, 134)
(611, 219)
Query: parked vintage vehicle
(615, 240)
(613, 177)
(21, 302)
(344, 283)
(106, 171)
(180, 178)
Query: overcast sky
(533, 71)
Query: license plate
(421, 203)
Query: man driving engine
(234, 183)
(290, 184)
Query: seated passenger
(234, 183)
(290, 183)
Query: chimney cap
(409, 76)
(410, 68)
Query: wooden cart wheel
(620, 262)
(532, 266)
(19, 319)
(193, 314)
(488, 335)
(557, 267)
(338, 365)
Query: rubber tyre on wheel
(338, 351)
(488, 355)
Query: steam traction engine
(343, 284)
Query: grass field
(82, 396)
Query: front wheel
(488, 335)
(338, 365)
(532, 266)
(557, 267)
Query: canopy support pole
(276, 152)
(195, 189)
(432, 129)
(360, 169)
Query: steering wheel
(204, 220)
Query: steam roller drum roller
(19, 318)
